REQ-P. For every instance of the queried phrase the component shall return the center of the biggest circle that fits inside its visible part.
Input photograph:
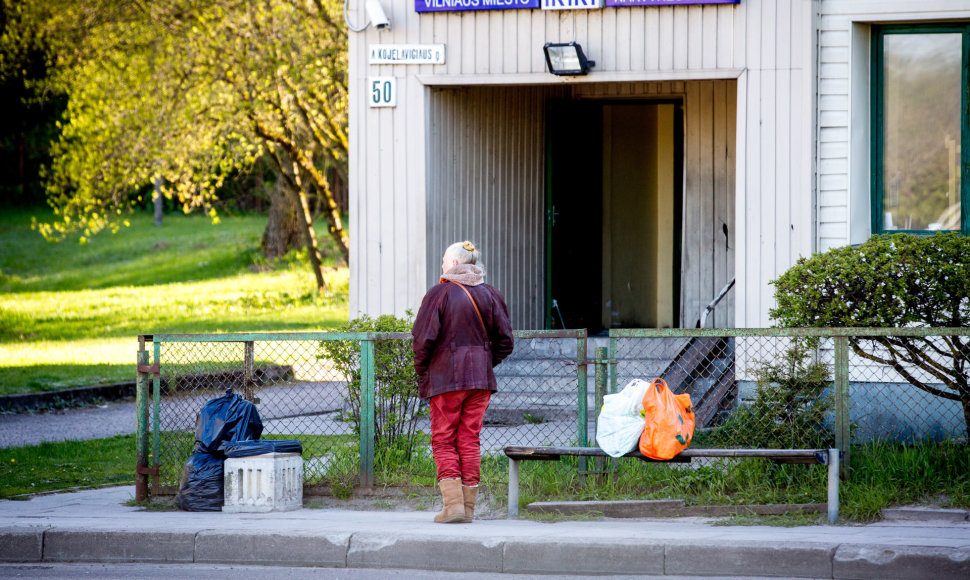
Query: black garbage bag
(229, 418)
(201, 486)
(250, 448)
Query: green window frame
(879, 34)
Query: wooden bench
(828, 457)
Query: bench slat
(804, 456)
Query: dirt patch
(401, 500)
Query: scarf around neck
(467, 274)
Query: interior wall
(638, 209)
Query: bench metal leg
(833, 505)
(513, 488)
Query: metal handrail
(710, 307)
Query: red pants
(456, 421)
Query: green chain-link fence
(302, 393)
(752, 388)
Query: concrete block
(786, 559)
(272, 549)
(21, 544)
(612, 509)
(445, 553)
(118, 546)
(925, 514)
(931, 562)
(583, 557)
(271, 482)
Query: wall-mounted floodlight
(375, 15)
(566, 59)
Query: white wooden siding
(486, 183)
(844, 106)
(775, 148)
(768, 46)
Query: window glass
(921, 157)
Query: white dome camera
(375, 12)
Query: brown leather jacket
(451, 349)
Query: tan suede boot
(454, 510)
(470, 494)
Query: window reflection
(921, 131)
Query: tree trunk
(283, 231)
(306, 224)
(158, 200)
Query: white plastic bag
(620, 422)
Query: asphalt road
(68, 424)
(229, 572)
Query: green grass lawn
(70, 313)
(67, 465)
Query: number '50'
(381, 91)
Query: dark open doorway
(614, 198)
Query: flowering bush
(893, 280)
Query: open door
(614, 194)
(574, 214)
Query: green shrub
(396, 402)
(896, 280)
(791, 406)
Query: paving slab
(96, 526)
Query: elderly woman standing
(462, 330)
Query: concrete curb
(28, 401)
(925, 514)
(524, 555)
(668, 508)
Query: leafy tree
(190, 91)
(898, 280)
(27, 124)
(396, 402)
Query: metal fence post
(842, 433)
(367, 412)
(157, 413)
(614, 348)
(141, 442)
(600, 380)
(249, 370)
(581, 379)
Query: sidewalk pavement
(95, 526)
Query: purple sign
(622, 3)
(463, 5)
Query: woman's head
(459, 253)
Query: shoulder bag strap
(478, 312)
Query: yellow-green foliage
(187, 92)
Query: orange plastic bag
(669, 422)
